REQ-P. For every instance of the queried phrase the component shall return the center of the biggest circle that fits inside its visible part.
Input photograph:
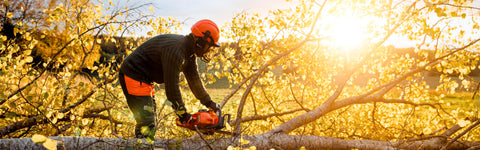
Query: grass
(222, 83)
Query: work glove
(214, 106)
(185, 117)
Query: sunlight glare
(347, 33)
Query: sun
(347, 33)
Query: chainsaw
(207, 122)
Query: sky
(222, 11)
(219, 11)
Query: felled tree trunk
(260, 141)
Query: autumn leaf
(50, 144)
(167, 102)
(463, 123)
(9, 15)
(60, 115)
(150, 140)
(138, 142)
(37, 138)
(228, 127)
(29, 59)
(243, 141)
(150, 8)
(145, 130)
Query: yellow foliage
(300, 79)
(67, 41)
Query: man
(160, 60)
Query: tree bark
(260, 141)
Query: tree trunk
(260, 141)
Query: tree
(339, 97)
(59, 97)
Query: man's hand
(185, 117)
(214, 106)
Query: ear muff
(200, 46)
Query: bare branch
(459, 6)
(90, 115)
(263, 117)
(476, 91)
(461, 134)
(203, 138)
(295, 98)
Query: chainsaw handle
(228, 120)
(219, 113)
(221, 121)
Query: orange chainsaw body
(206, 122)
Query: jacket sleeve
(172, 89)
(194, 82)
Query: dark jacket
(160, 60)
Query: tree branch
(50, 64)
(270, 62)
(35, 119)
(263, 117)
(459, 6)
(461, 134)
(91, 115)
(203, 138)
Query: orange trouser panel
(138, 88)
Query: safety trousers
(141, 102)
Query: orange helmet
(208, 30)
